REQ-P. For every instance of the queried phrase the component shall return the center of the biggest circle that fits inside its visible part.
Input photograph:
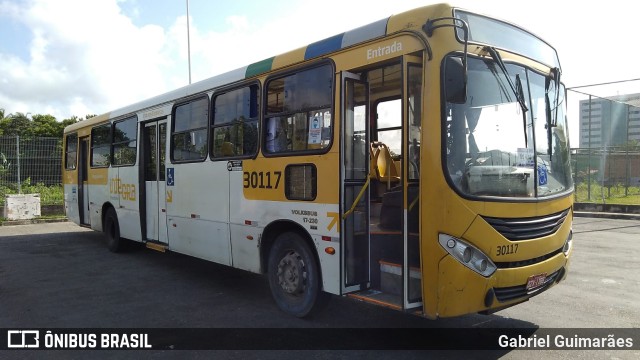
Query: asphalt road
(62, 276)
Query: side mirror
(455, 80)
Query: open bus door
(355, 181)
(380, 177)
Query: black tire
(294, 276)
(112, 231)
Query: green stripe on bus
(259, 67)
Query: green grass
(611, 195)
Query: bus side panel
(98, 194)
(124, 195)
(198, 213)
(258, 198)
(244, 227)
(253, 216)
(70, 184)
(71, 201)
(245, 247)
(199, 238)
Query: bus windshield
(497, 147)
(485, 30)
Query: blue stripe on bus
(364, 33)
(323, 47)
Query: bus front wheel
(112, 231)
(294, 275)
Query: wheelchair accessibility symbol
(170, 177)
(542, 175)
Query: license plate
(536, 281)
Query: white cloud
(84, 56)
(89, 57)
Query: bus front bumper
(462, 291)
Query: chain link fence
(610, 175)
(31, 165)
(606, 163)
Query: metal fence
(610, 175)
(606, 164)
(29, 161)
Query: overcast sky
(78, 57)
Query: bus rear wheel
(112, 231)
(294, 276)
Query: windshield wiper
(555, 74)
(517, 89)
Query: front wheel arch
(294, 275)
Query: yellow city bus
(420, 163)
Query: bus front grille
(516, 229)
(527, 262)
(520, 291)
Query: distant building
(612, 121)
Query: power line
(606, 83)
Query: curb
(606, 215)
(32, 221)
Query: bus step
(378, 298)
(156, 246)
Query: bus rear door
(156, 195)
(83, 181)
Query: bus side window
(189, 136)
(71, 152)
(101, 146)
(235, 122)
(124, 143)
(298, 111)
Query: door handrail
(357, 200)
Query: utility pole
(188, 43)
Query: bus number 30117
(506, 249)
(261, 179)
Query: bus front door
(380, 152)
(155, 194)
(355, 184)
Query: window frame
(67, 152)
(314, 183)
(389, 129)
(213, 125)
(177, 104)
(114, 144)
(265, 116)
(106, 144)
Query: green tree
(15, 124)
(39, 125)
(45, 126)
(1, 120)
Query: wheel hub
(292, 273)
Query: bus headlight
(467, 254)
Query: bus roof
(404, 21)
